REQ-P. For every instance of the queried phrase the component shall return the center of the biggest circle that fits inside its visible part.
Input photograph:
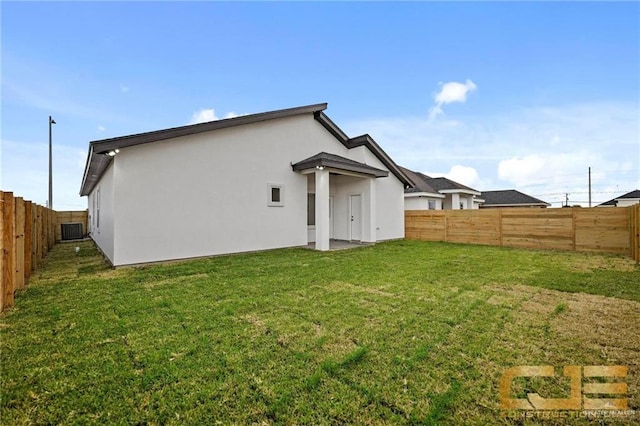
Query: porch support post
(322, 209)
(455, 201)
(370, 222)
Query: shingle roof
(633, 194)
(325, 159)
(424, 183)
(444, 184)
(510, 197)
(420, 182)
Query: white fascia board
(423, 194)
(459, 191)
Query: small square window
(432, 204)
(276, 195)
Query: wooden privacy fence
(27, 233)
(604, 229)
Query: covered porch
(341, 200)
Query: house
(428, 193)
(510, 198)
(628, 199)
(276, 179)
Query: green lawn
(400, 332)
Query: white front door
(355, 213)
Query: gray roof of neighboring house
(633, 194)
(424, 183)
(444, 184)
(421, 182)
(510, 197)
(324, 159)
(97, 161)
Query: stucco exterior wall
(421, 203)
(102, 196)
(389, 202)
(207, 194)
(626, 202)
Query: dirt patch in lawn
(592, 263)
(611, 326)
(556, 328)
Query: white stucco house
(276, 179)
(625, 200)
(439, 193)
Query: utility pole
(566, 199)
(589, 186)
(50, 203)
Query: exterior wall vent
(72, 231)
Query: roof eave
(99, 147)
(423, 194)
(337, 165)
(459, 191)
(373, 146)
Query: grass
(402, 332)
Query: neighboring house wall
(207, 193)
(457, 201)
(422, 203)
(626, 202)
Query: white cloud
(522, 170)
(203, 116)
(124, 89)
(101, 128)
(209, 114)
(451, 92)
(462, 174)
(544, 152)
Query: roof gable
(324, 159)
(363, 140)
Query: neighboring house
(628, 199)
(276, 179)
(510, 198)
(428, 193)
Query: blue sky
(495, 95)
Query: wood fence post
(634, 231)
(34, 237)
(40, 239)
(2, 248)
(446, 226)
(52, 229)
(19, 247)
(573, 228)
(500, 226)
(8, 218)
(28, 219)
